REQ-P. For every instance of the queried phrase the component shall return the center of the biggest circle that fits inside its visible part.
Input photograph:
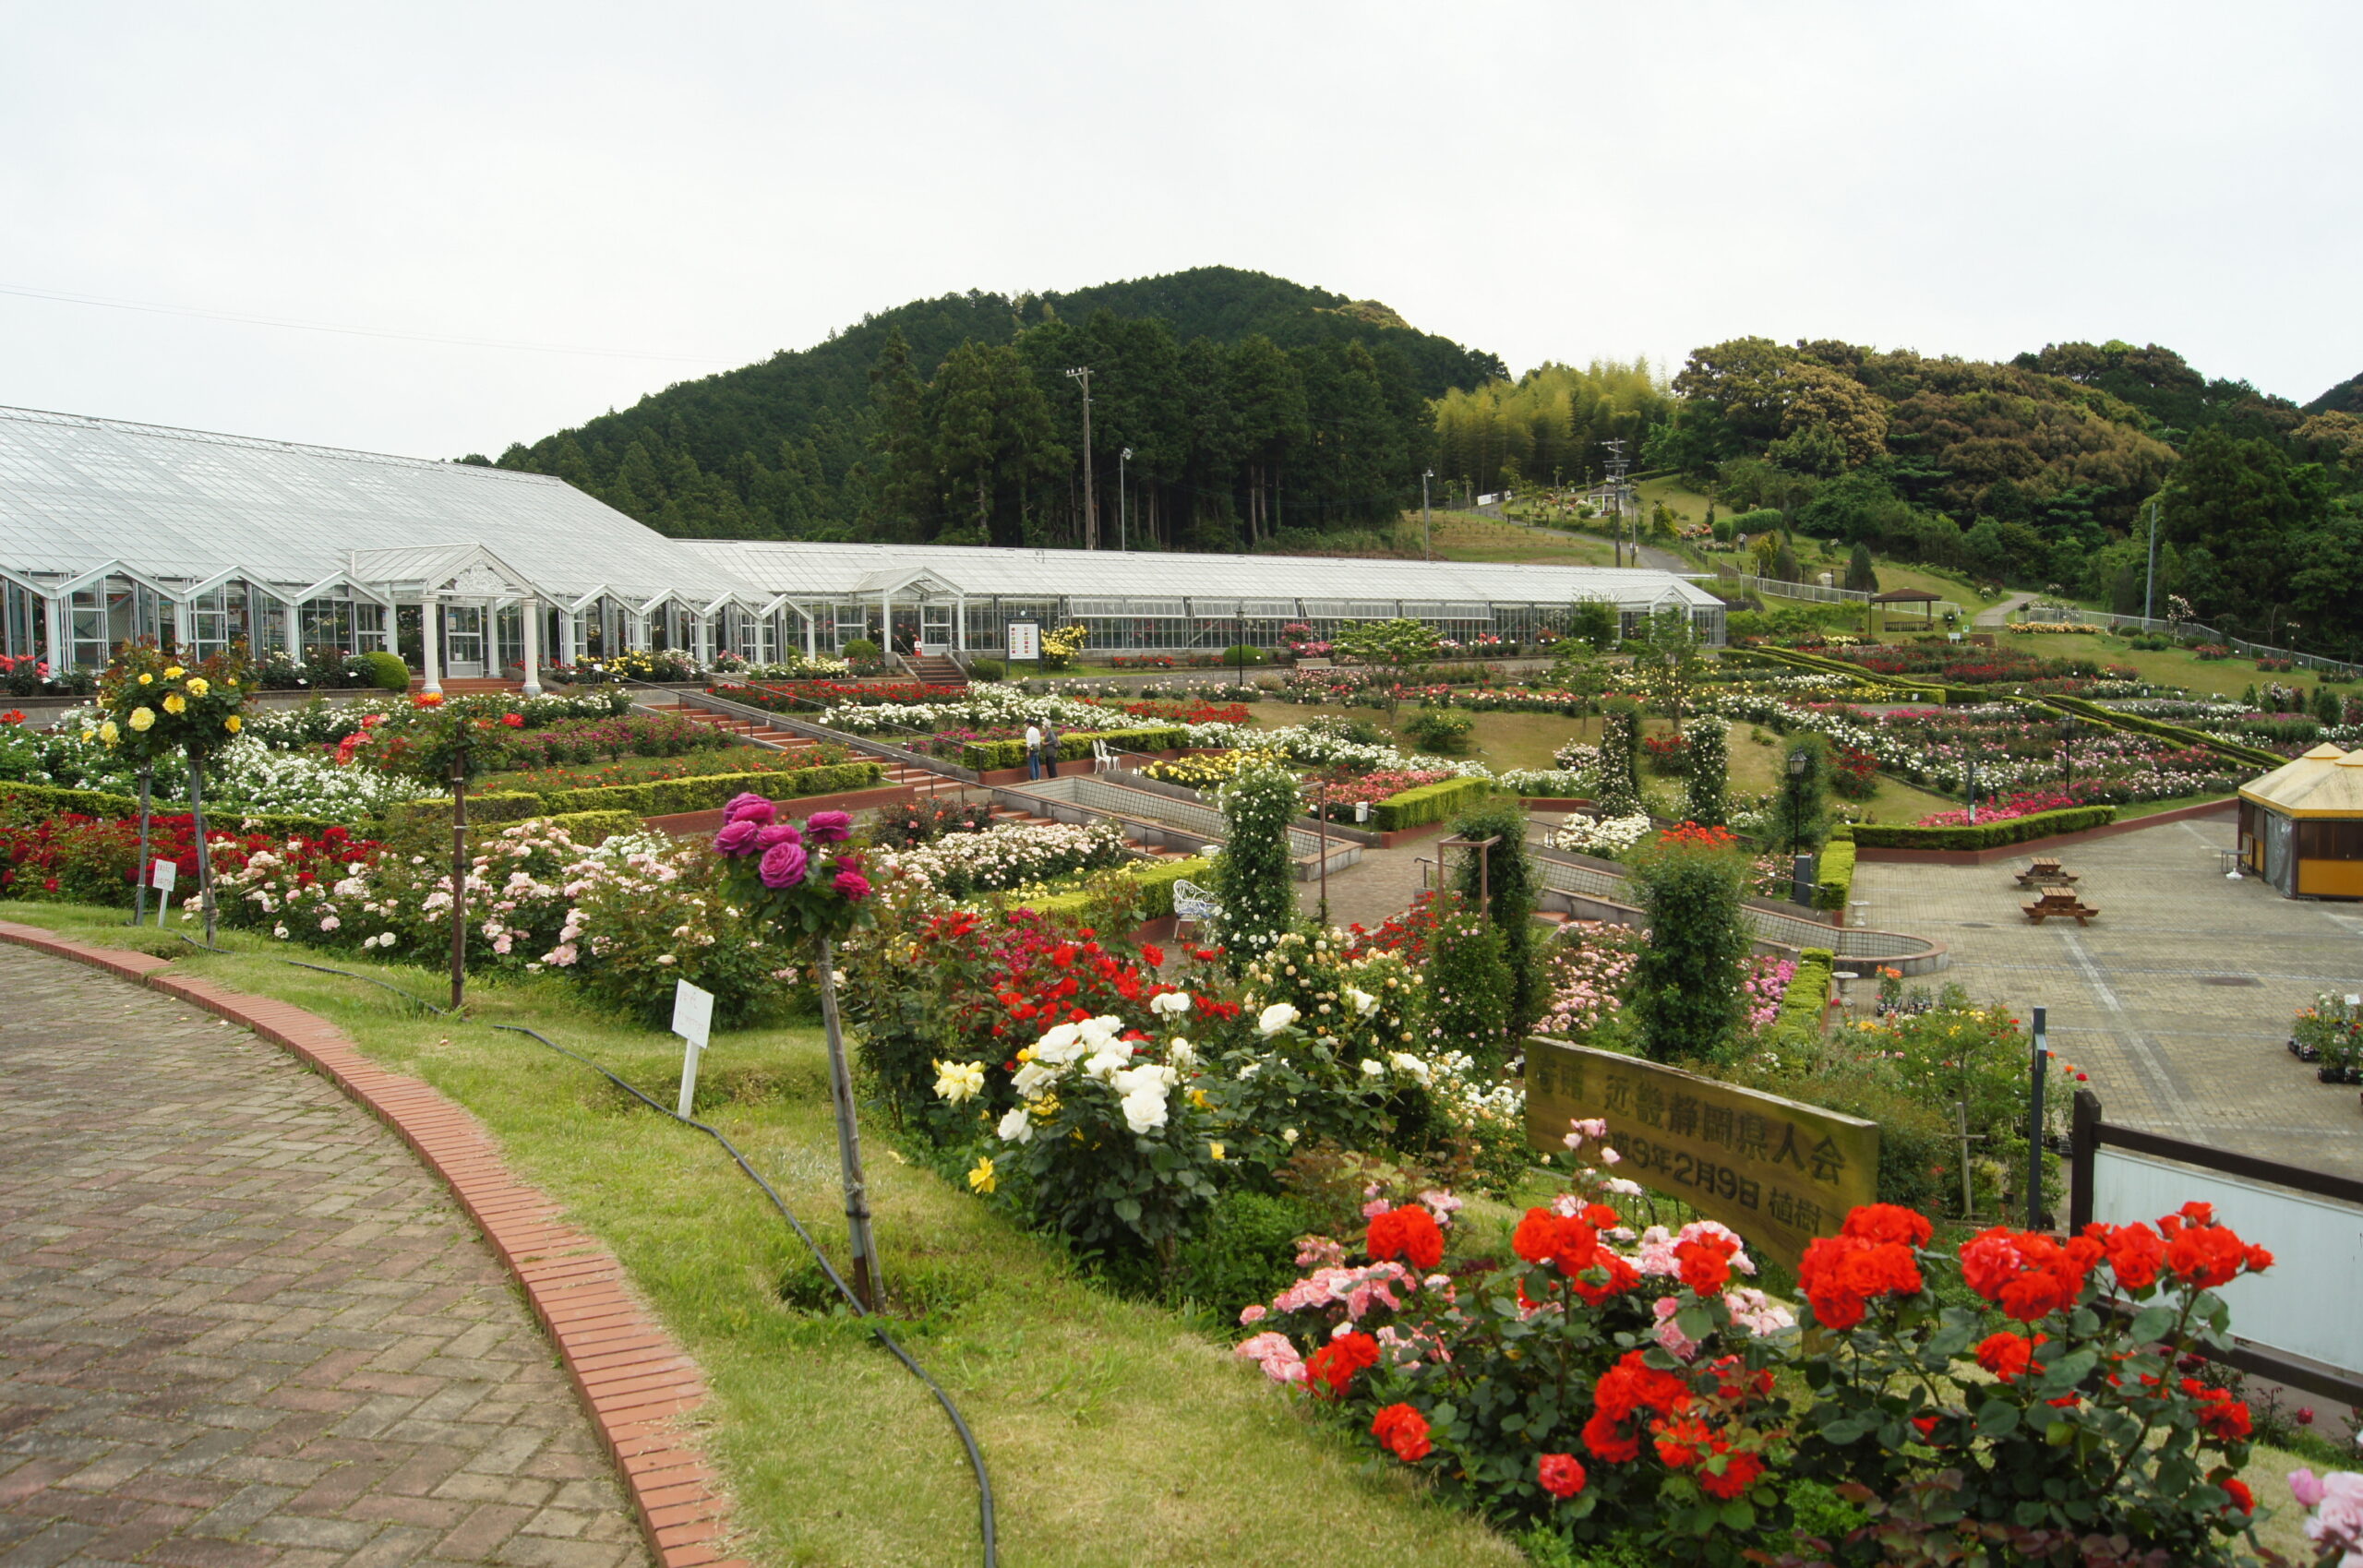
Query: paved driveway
(242, 1327)
(2177, 998)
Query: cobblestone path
(241, 1327)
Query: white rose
(958, 1080)
(1145, 1109)
(1017, 1127)
(1169, 1003)
(1276, 1017)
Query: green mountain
(1254, 407)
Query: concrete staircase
(920, 780)
(934, 669)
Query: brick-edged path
(240, 1327)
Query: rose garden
(1211, 1210)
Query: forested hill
(1251, 405)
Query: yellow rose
(145, 678)
(234, 724)
(176, 704)
(108, 733)
(143, 719)
(175, 673)
(198, 685)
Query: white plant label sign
(693, 1021)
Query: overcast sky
(1554, 181)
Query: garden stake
(204, 850)
(458, 884)
(869, 1280)
(2034, 1128)
(139, 903)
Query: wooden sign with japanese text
(1777, 1172)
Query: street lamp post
(1427, 530)
(1082, 374)
(1123, 511)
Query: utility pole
(1090, 495)
(1427, 529)
(1616, 485)
(2149, 586)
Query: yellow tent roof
(2324, 782)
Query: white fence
(2306, 1304)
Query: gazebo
(1920, 596)
(2301, 825)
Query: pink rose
(748, 807)
(735, 839)
(783, 865)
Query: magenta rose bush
(803, 878)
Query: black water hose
(877, 1325)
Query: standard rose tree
(808, 883)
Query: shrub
(1470, 986)
(1255, 878)
(1444, 731)
(1985, 835)
(1620, 748)
(1428, 803)
(1708, 799)
(1687, 996)
(383, 670)
(1834, 880)
(1245, 1251)
(1511, 886)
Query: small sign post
(693, 1021)
(164, 875)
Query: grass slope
(1115, 1432)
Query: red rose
(1739, 1473)
(1561, 1475)
(1402, 1430)
(2005, 1355)
(1409, 1233)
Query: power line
(247, 319)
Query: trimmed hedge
(1799, 1020)
(664, 797)
(1428, 803)
(1156, 883)
(51, 800)
(1836, 874)
(1985, 835)
(1075, 746)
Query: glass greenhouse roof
(77, 493)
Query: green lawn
(1116, 1432)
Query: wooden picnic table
(2062, 904)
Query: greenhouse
(112, 530)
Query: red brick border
(634, 1382)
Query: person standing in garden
(1033, 751)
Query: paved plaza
(241, 1327)
(2177, 998)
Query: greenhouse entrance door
(464, 640)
